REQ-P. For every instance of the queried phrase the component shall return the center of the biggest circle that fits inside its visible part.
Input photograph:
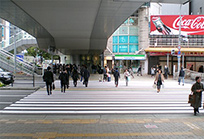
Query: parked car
(6, 77)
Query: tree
(35, 51)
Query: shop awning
(130, 57)
(176, 49)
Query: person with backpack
(116, 76)
(64, 79)
(139, 71)
(181, 76)
(158, 80)
(48, 79)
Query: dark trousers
(116, 82)
(63, 87)
(49, 88)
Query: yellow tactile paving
(50, 135)
(104, 121)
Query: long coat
(157, 78)
(64, 78)
(75, 75)
(116, 75)
(48, 77)
(198, 95)
(86, 74)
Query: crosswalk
(104, 100)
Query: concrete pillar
(75, 59)
(143, 34)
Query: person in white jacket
(126, 76)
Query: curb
(20, 88)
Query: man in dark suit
(48, 78)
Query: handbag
(129, 78)
(191, 99)
(53, 86)
(154, 85)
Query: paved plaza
(102, 111)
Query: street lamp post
(14, 28)
(179, 42)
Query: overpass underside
(71, 26)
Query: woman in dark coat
(197, 89)
(75, 76)
(64, 79)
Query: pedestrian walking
(116, 75)
(166, 72)
(64, 79)
(48, 79)
(191, 68)
(197, 89)
(82, 73)
(181, 76)
(152, 71)
(158, 80)
(105, 73)
(75, 76)
(126, 76)
(68, 74)
(86, 76)
(139, 71)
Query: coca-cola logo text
(196, 23)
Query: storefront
(163, 56)
(125, 61)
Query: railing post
(33, 75)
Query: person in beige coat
(158, 80)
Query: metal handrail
(21, 63)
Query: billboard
(169, 25)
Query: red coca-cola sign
(169, 24)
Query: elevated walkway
(20, 41)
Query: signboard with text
(169, 25)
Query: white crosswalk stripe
(103, 101)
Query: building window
(123, 30)
(123, 39)
(115, 39)
(133, 39)
(123, 48)
(133, 48)
(115, 48)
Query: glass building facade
(125, 38)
